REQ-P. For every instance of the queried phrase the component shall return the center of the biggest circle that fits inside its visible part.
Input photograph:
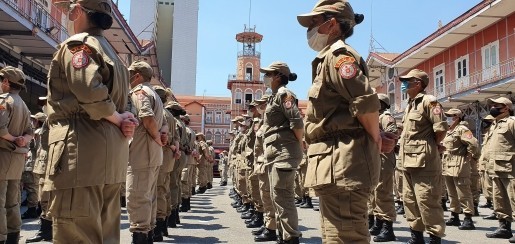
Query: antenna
(250, 11)
(373, 42)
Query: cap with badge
(142, 68)
(279, 67)
(200, 134)
(417, 74)
(97, 6)
(501, 100)
(14, 75)
(238, 119)
(339, 9)
(41, 117)
(453, 112)
(262, 100)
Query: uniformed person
(424, 129)
(170, 154)
(398, 175)
(342, 124)
(241, 167)
(282, 141)
(211, 163)
(486, 180)
(499, 154)
(15, 135)
(202, 163)
(188, 173)
(30, 180)
(223, 168)
(382, 204)
(461, 147)
(145, 153)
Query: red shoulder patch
(348, 71)
(344, 60)
(288, 104)
(80, 60)
(468, 134)
(437, 110)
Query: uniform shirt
(241, 151)
(251, 141)
(144, 152)
(483, 160)
(341, 155)
(500, 149)
(184, 138)
(168, 155)
(33, 153)
(461, 147)
(282, 116)
(191, 143)
(14, 120)
(204, 154)
(42, 150)
(86, 82)
(387, 124)
(423, 117)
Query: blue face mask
(404, 86)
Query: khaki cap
(14, 75)
(501, 100)
(209, 142)
(340, 9)
(143, 68)
(201, 134)
(489, 118)
(186, 117)
(174, 105)
(384, 98)
(99, 6)
(262, 100)
(279, 67)
(453, 112)
(246, 116)
(238, 118)
(418, 74)
(41, 117)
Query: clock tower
(247, 84)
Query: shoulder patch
(348, 71)
(80, 60)
(141, 94)
(344, 60)
(82, 47)
(468, 134)
(437, 110)
(2, 107)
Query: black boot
(434, 240)
(299, 201)
(247, 221)
(193, 191)
(184, 205)
(257, 232)
(258, 221)
(209, 185)
(44, 233)
(417, 237)
(177, 217)
(376, 227)
(123, 202)
(386, 233)
(467, 224)
(201, 190)
(237, 203)
(247, 215)
(444, 204)
(31, 213)
(476, 211)
(150, 237)
(223, 183)
(316, 208)
(293, 240)
(370, 221)
(244, 208)
(492, 216)
(308, 203)
(39, 210)
(164, 227)
(512, 240)
(454, 220)
(13, 238)
(267, 235)
(158, 231)
(503, 232)
(171, 220)
(400, 209)
(488, 204)
(139, 238)
(188, 203)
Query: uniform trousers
(224, 172)
(503, 195)
(282, 191)
(241, 185)
(202, 177)
(30, 182)
(343, 217)
(398, 184)
(255, 194)
(86, 214)
(460, 194)
(381, 202)
(475, 186)
(304, 191)
(486, 185)
(175, 182)
(266, 197)
(209, 173)
(44, 198)
(422, 196)
(10, 217)
(163, 194)
(186, 177)
(142, 198)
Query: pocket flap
(415, 116)
(58, 133)
(315, 89)
(417, 147)
(320, 148)
(503, 157)
(271, 138)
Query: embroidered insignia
(80, 60)
(288, 104)
(468, 134)
(344, 60)
(83, 47)
(2, 107)
(140, 96)
(348, 71)
(437, 110)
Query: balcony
(249, 53)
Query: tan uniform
(499, 154)
(40, 169)
(253, 179)
(188, 173)
(486, 179)
(344, 161)
(203, 164)
(300, 176)
(241, 168)
(382, 203)
(419, 155)
(164, 177)
(283, 154)
(30, 180)
(86, 82)
(145, 157)
(15, 120)
(211, 163)
(264, 182)
(461, 148)
(180, 164)
(223, 168)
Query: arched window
(218, 117)
(237, 96)
(249, 71)
(249, 94)
(209, 135)
(258, 95)
(218, 138)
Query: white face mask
(268, 81)
(316, 40)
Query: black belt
(338, 134)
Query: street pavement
(213, 220)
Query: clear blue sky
(397, 25)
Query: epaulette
(77, 39)
(431, 98)
(512, 117)
(338, 47)
(4, 95)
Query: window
(218, 117)
(227, 119)
(439, 73)
(209, 117)
(218, 138)
(248, 98)
(490, 60)
(237, 97)
(462, 72)
(209, 135)
(248, 73)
